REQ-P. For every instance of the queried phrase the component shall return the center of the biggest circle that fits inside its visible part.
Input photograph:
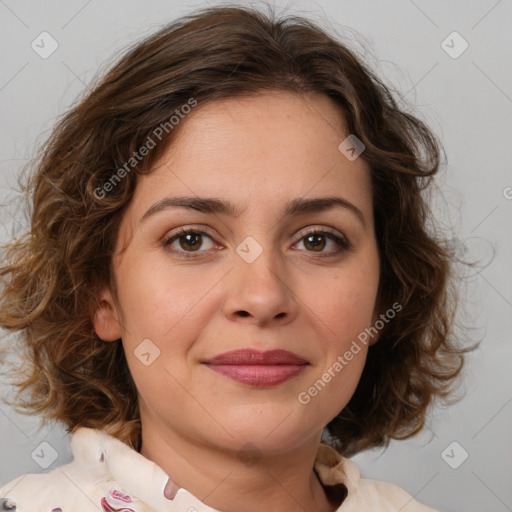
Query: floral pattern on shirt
(116, 502)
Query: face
(264, 277)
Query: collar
(338, 475)
(107, 456)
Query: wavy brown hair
(52, 273)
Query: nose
(260, 292)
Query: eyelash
(342, 243)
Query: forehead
(258, 152)
(261, 123)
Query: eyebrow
(218, 206)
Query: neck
(230, 482)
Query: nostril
(243, 313)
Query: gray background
(467, 100)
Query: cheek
(346, 308)
(345, 301)
(158, 301)
(334, 383)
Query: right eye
(188, 241)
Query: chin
(271, 433)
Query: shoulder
(77, 484)
(105, 474)
(363, 493)
(46, 491)
(387, 497)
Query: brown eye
(190, 241)
(316, 241)
(187, 241)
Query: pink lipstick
(259, 369)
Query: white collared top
(106, 475)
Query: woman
(228, 258)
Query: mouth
(258, 369)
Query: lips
(258, 369)
(254, 357)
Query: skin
(259, 152)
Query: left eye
(319, 239)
